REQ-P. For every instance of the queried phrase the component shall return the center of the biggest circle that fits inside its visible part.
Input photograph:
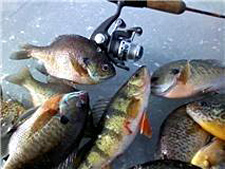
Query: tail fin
(23, 54)
(20, 78)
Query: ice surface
(166, 37)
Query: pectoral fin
(145, 126)
(185, 73)
(133, 108)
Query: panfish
(211, 155)
(165, 164)
(38, 90)
(209, 113)
(123, 118)
(11, 110)
(70, 57)
(50, 134)
(180, 136)
(187, 78)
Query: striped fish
(124, 117)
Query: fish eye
(86, 60)
(203, 103)
(154, 79)
(105, 67)
(99, 49)
(136, 75)
(175, 71)
(223, 117)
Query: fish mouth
(69, 98)
(158, 89)
(96, 78)
(145, 87)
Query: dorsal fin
(26, 115)
(213, 62)
(99, 108)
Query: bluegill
(209, 113)
(165, 164)
(50, 134)
(123, 118)
(180, 136)
(184, 78)
(70, 57)
(211, 155)
(38, 90)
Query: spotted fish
(209, 113)
(180, 136)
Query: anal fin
(145, 126)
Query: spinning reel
(119, 44)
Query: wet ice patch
(12, 37)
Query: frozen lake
(166, 37)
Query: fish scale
(72, 58)
(210, 114)
(38, 90)
(204, 68)
(188, 78)
(117, 121)
(178, 130)
(43, 141)
(32, 149)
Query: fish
(124, 117)
(165, 164)
(180, 136)
(73, 58)
(211, 155)
(11, 110)
(209, 113)
(38, 90)
(188, 78)
(50, 134)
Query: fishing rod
(171, 6)
(119, 44)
